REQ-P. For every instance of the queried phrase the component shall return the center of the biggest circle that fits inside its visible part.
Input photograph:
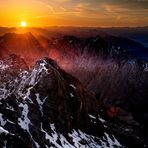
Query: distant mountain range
(25, 45)
(39, 46)
(138, 34)
(94, 95)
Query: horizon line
(101, 27)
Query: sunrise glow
(94, 13)
(23, 24)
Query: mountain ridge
(41, 113)
(101, 107)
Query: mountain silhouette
(24, 45)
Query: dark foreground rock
(46, 107)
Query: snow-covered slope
(46, 107)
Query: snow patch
(27, 95)
(110, 142)
(79, 140)
(24, 120)
(43, 67)
(91, 116)
(146, 67)
(3, 66)
(74, 87)
(3, 92)
(2, 121)
(40, 102)
(71, 95)
(2, 130)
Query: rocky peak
(11, 67)
(46, 107)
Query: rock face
(43, 106)
(46, 107)
(102, 44)
(113, 68)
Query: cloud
(129, 4)
(47, 6)
(118, 9)
(107, 12)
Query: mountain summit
(46, 107)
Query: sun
(23, 24)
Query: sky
(88, 13)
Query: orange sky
(101, 13)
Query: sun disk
(23, 24)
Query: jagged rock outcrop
(46, 107)
(43, 106)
